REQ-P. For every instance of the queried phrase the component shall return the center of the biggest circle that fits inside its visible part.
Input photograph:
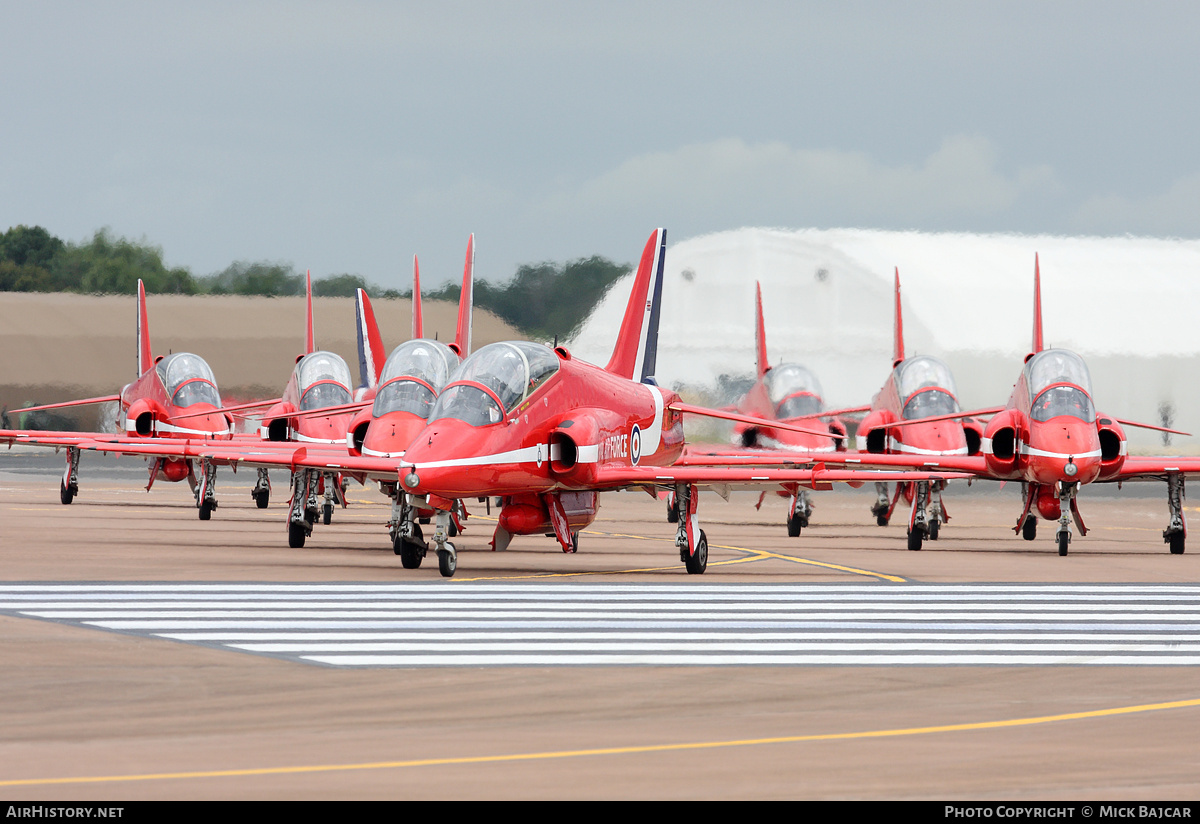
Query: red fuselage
(579, 419)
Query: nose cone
(1063, 451)
(388, 436)
(456, 460)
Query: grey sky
(349, 136)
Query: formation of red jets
(542, 433)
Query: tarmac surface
(101, 714)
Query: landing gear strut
(799, 513)
(261, 493)
(882, 508)
(1066, 506)
(447, 554)
(206, 489)
(1176, 530)
(405, 532)
(302, 513)
(69, 487)
(919, 521)
(690, 538)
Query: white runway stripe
(467, 624)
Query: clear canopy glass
(324, 380)
(928, 403)
(789, 379)
(1053, 366)
(1063, 400)
(513, 370)
(920, 372)
(429, 360)
(188, 380)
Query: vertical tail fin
(760, 333)
(1038, 346)
(309, 345)
(144, 356)
(898, 350)
(370, 344)
(636, 352)
(466, 300)
(418, 324)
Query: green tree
(108, 264)
(259, 278)
(545, 299)
(25, 256)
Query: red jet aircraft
(1051, 438)
(409, 383)
(786, 392)
(546, 432)
(903, 421)
(174, 397)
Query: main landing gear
(69, 487)
(261, 493)
(690, 538)
(927, 514)
(799, 512)
(303, 512)
(1176, 531)
(882, 508)
(407, 539)
(205, 488)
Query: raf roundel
(635, 445)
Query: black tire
(411, 553)
(672, 515)
(262, 498)
(574, 542)
(422, 520)
(881, 520)
(206, 509)
(794, 525)
(696, 562)
(66, 494)
(453, 529)
(1029, 528)
(1064, 541)
(447, 562)
(327, 515)
(1177, 543)
(915, 537)
(934, 528)
(296, 535)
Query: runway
(488, 625)
(1106, 712)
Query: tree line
(544, 299)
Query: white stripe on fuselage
(896, 446)
(162, 426)
(585, 453)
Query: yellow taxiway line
(634, 750)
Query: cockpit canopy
(794, 391)
(1051, 366)
(428, 361)
(324, 380)
(1060, 384)
(188, 380)
(926, 388)
(512, 371)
